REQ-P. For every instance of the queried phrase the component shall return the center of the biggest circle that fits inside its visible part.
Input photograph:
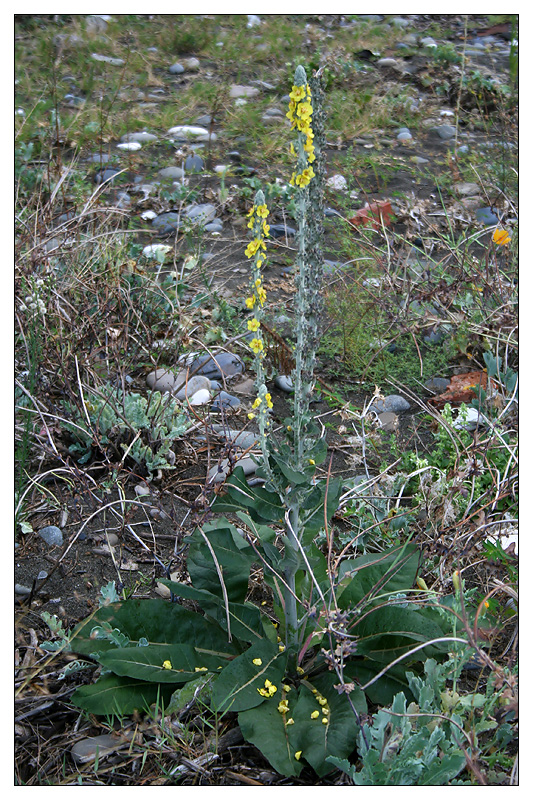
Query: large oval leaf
(237, 687)
(169, 663)
(113, 694)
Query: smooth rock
(393, 402)
(86, 750)
(437, 385)
(471, 203)
(220, 472)
(116, 62)
(200, 398)
(404, 136)
(284, 382)
(428, 41)
(337, 182)
(52, 535)
(419, 160)
(194, 163)
(98, 158)
(174, 173)
(486, 216)
(244, 439)
(95, 24)
(112, 538)
(387, 62)
(243, 91)
(185, 132)
(167, 222)
(277, 231)
(107, 175)
(161, 380)
(192, 64)
(176, 69)
(445, 132)
(200, 214)
(224, 401)
(226, 364)
(466, 189)
(246, 387)
(194, 384)
(22, 591)
(142, 137)
(141, 490)
(389, 421)
(132, 146)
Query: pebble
(244, 439)
(116, 62)
(200, 214)
(194, 163)
(98, 158)
(387, 62)
(164, 591)
(52, 536)
(284, 382)
(167, 222)
(176, 69)
(428, 41)
(161, 380)
(142, 137)
(466, 189)
(393, 402)
(106, 175)
(186, 132)
(86, 750)
(226, 364)
(194, 384)
(246, 387)
(112, 538)
(129, 146)
(419, 160)
(200, 398)
(337, 182)
(445, 131)
(192, 64)
(224, 401)
(220, 472)
(278, 231)
(22, 591)
(389, 421)
(174, 173)
(486, 216)
(243, 91)
(437, 385)
(404, 136)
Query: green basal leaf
(234, 557)
(157, 621)
(238, 685)
(393, 570)
(317, 739)
(245, 619)
(387, 632)
(266, 728)
(113, 694)
(381, 692)
(168, 663)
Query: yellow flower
(322, 701)
(286, 687)
(312, 462)
(253, 324)
(257, 662)
(266, 229)
(252, 248)
(299, 670)
(167, 665)
(297, 755)
(268, 399)
(256, 403)
(250, 302)
(200, 669)
(272, 690)
(261, 295)
(500, 236)
(251, 416)
(324, 721)
(305, 110)
(283, 707)
(305, 177)
(290, 721)
(298, 93)
(262, 211)
(314, 714)
(281, 648)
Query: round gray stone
(284, 382)
(466, 189)
(194, 163)
(161, 380)
(52, 536)
(445, 132)
(486, 216)
(393, 402)
(141, 138)
(176, 69)
(437, 385)
(194, 385)
(226, 364)
(175, 173)
(225, 400)
(200, 214)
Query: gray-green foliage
(402, 750)
(143, 428)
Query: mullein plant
(294, 673)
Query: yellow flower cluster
(258, 400)
(268, 690)
(324, 708)
(300, 113)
